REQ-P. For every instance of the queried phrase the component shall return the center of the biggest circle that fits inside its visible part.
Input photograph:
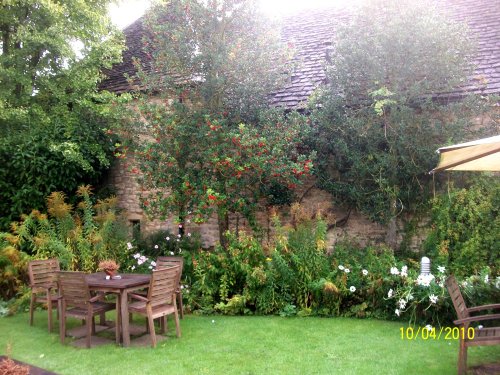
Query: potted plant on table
(109, 267)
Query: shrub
(465, 229)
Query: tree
(377, 125)
(52, 119)
(202, 141)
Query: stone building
(311, 34)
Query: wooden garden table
(121, 287)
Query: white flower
(402, 303)
(167, 238)
(150, 267)
(137, 255)
(341, 267)
(156, 246)
(140, 261)
(480, 327)
(404, 271)
(180, 251)
(133, 268)
(171, 253)
(433, 298)
(465, 284)
(347, 270)
(365, 272)
(213, 321)
(178, 240)
(425, 280)
(153, 263)
(182, 286)
(189, 234)
(394, 271)
(352, 289)
(429, 327)
(180, 225)
(441, 269)
(389, 295)
(409, 297)
(129, 245)
(486, 279)
(397, 312)
(179, 235)
(188, 221)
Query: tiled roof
(311, 32)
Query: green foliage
(52, 119)
(13, 267)
(465, 232)
(79, 237)
(202, 142)
(375, 125)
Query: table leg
(118, 322)
(124, 318)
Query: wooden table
(128, 282)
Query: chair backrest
(162, 262)
(43, 273)
(73, 288)
(163, 285)
(456, 297)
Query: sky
(124, 12)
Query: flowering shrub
(299, 276)
(423, 298)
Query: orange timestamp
(431, 333)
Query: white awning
(480, 155)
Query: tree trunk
(223, 221)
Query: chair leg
(151, 323)
(177, 323)
(179, 302)
(162, 324)
(90, 330)
(462, 358)
(49, 310)
(102, 319)
(62, 322)
(32, 307)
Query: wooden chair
(43, 284)
(75, 301)
(162, 262)
(160, 301)
(483, 336)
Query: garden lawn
(247, 345)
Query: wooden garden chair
(169, 261)
(483, 336)
(76, 301)
(160, 301)
(43, 284)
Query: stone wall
(343, 224)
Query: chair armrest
(476, 318)
(97, 297)
(495, 306)
(138, 296)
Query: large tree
(378, 121)
(52, 118)
(205, 144)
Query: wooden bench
(479, 336)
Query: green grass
(247, 345)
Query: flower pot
(110, 273)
